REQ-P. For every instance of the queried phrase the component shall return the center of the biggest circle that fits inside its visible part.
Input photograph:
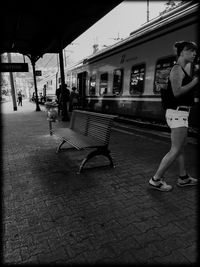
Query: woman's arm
(176, 78)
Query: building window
(92, 85)
(103, 84)
(163, 67)
(117, 81)
(137, 79)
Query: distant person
(33, 97)
(177, 100)
(58, 92)
(19, 99)
(73, 99)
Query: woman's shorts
(177, 118)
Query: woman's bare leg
(178, 137)
(181, 163)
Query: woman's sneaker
(186, 181)
(159, 185)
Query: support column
(62, 75)
(12, 86)
(35, 83)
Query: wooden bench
(87, 130)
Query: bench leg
(99, 151)
(106, 153)
(59, 146)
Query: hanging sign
(14, 67)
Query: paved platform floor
(104, 215)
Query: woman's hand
(195, 80)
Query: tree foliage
(171, 4)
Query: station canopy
(36, 27)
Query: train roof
(178, 13)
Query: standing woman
(177, 99)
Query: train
(125, 78)
(46, 90)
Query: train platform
(52, 215)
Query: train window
(67, 79)
(117, 81)
(73, 80)
(163, 68)
(137, 79)
(103, 83)
(92, 85)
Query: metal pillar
(62, 75)
(147, 10)
(35, 83)
(12, 86)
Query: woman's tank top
(170, 101)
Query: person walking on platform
(19, 98)
(177, 100)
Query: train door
(81, 86)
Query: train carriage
(126, 78)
